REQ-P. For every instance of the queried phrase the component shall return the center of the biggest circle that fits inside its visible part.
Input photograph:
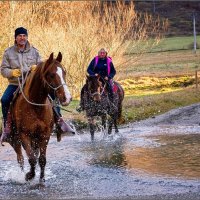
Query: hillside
(178, 13)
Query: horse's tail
(120, 93)
(119, 117)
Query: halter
(32, 103)
(97, 93)
(92, 94)
(38, 104)
(55, 88)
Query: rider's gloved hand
(33, 68)
(16, 73)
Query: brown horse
(97, 103)
(33, 116)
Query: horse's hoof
(58, 137)
(38, 186)
(29, 176)
(42, 182)
(22, 168)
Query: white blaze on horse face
(66, 90)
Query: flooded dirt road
(157, 158)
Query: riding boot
(64, 126)
(5, 137)
(61, 127)
(60, 123)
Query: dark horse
(97, 103)
(32, 113)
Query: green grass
(141, 107)
(176, 43)
(169, 44)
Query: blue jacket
(101, 68)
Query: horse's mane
(33, 76)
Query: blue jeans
(6, 100)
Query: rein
(97, 93)
(22, 92)
(21, 85)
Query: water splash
(14, 174)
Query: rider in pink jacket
(101, 65)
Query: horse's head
(94, 87)
(54, 77)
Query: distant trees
(79, 29)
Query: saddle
(117, 88)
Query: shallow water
(138, 161)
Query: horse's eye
(52, 76)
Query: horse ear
(50, 59)
(59, 57)
(48, 62)
(87, 78)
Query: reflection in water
(177, 156)
(172, 155)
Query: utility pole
(154, 6)
(194, 32)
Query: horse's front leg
(92, 127)
(110, 123)
(18, 149)
(31, 156)
(42, 158)
(115, 125)
(103, 118)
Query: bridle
(49, 85)
(54, 88)
(99, 93)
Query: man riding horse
(17, 60)
(102, 66)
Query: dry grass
(163, 64)
(153, 85)
(79, 29)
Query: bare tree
(79, 30)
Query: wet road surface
(141, 160)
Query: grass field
(172, 57)
(176, 43)
(171, 44)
